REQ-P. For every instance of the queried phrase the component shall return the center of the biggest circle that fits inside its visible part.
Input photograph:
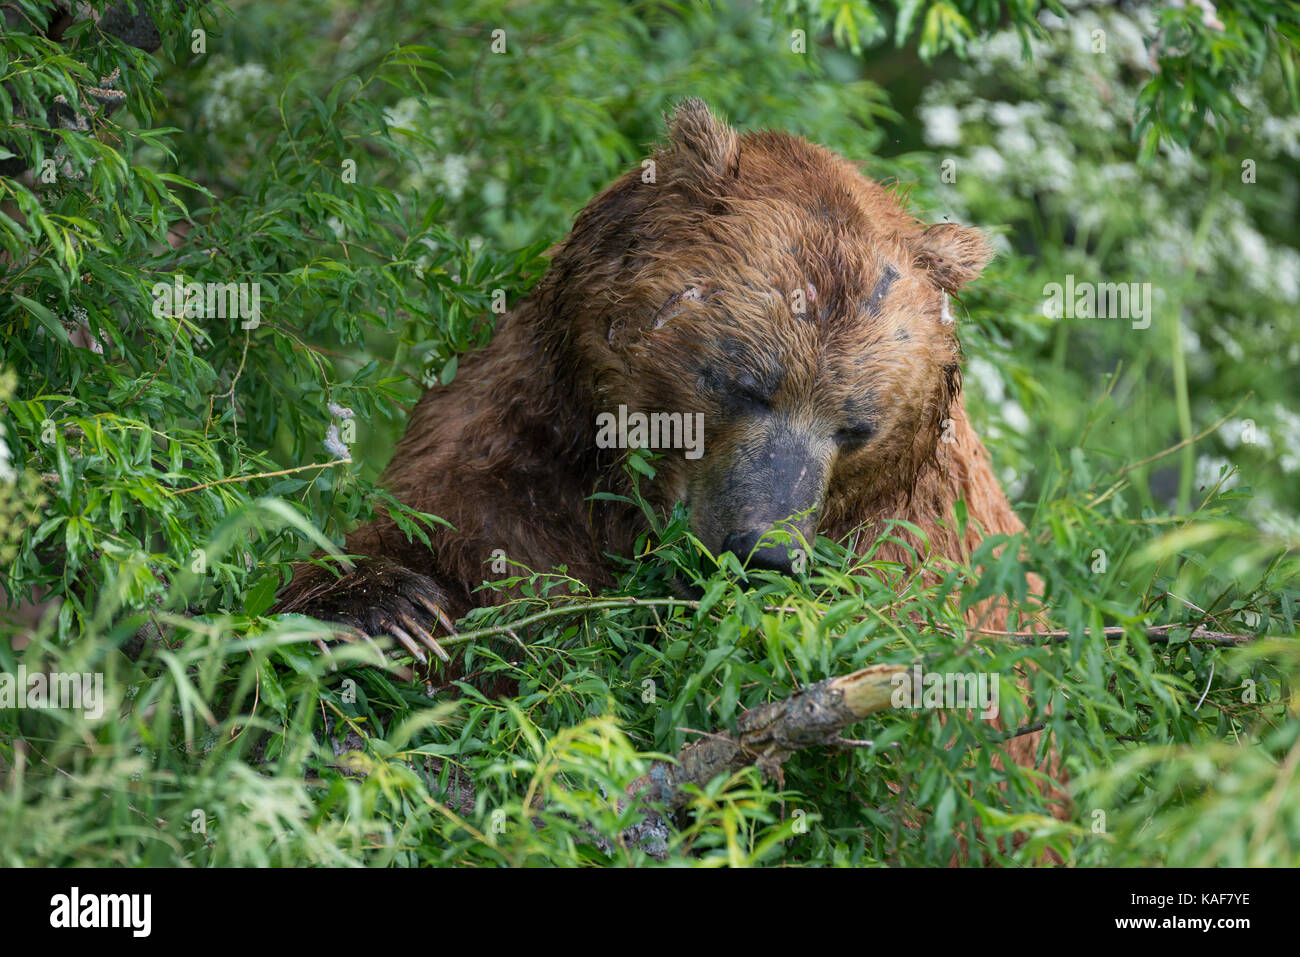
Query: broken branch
(768, 734)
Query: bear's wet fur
(758, 279)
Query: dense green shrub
(381, 174)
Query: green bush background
(159, 475)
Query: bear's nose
(774, 558)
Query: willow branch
(1155, 633)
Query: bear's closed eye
(752, 392)
(854, 436)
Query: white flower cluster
(449, 172)
(403, 114)
(984, 377)
(1266, 268)
(1209, 469)
(7, 473)
(1043, 145)
(1287, 430)
(233, 93)
(1066, 87)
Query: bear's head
(763, 283)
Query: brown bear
(756, 284)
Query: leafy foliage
(386, 179)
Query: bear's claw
(376, 597)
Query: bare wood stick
(1157, 633)
(768, 734)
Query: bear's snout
(775, 558)
(769, 477)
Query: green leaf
(261, 595)
(45, 318)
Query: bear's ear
(705, 144)
(954, 255)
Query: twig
(1119, 476)
(249, 478)
(162, 365)
(1159, 633)
(462, 637)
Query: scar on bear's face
(875, 301)
(677, 303)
